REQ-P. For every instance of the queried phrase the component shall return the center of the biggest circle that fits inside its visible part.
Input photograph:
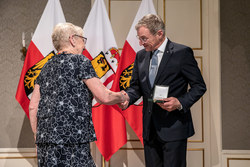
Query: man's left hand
(170, 104)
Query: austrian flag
(133, 114)
(101, 49)
(40, 50)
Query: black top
(64, 114)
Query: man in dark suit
(166, 125)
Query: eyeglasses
(83, 38)
(142, 39)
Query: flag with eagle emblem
(40, 50)
(133, 114)
(101, 49)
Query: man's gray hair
(153, 22)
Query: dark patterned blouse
(64, 113)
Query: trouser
(165, 154)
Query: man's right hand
(124, 105)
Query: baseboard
(25, 157)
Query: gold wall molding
(201, 27)
(202, 107)
(19, 157)
(235, 159)
(131, 149)
(164, 18)
(203, 153)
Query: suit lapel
(166, 55)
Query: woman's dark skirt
(69, 155)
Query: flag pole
(103, 162)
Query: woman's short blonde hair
(62, 32)
(153, 22)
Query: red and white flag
(133, 114)
(40, 50)
(102, 50)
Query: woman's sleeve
(86, 70)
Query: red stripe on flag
(109, 79)
(133, 115)
(126, 59)
(86, 54)
(110, 129)
(32, 57)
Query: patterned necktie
(153, 68)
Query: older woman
(60, 107)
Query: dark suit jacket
(178, 69)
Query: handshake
(169, 104)
(124, 104)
